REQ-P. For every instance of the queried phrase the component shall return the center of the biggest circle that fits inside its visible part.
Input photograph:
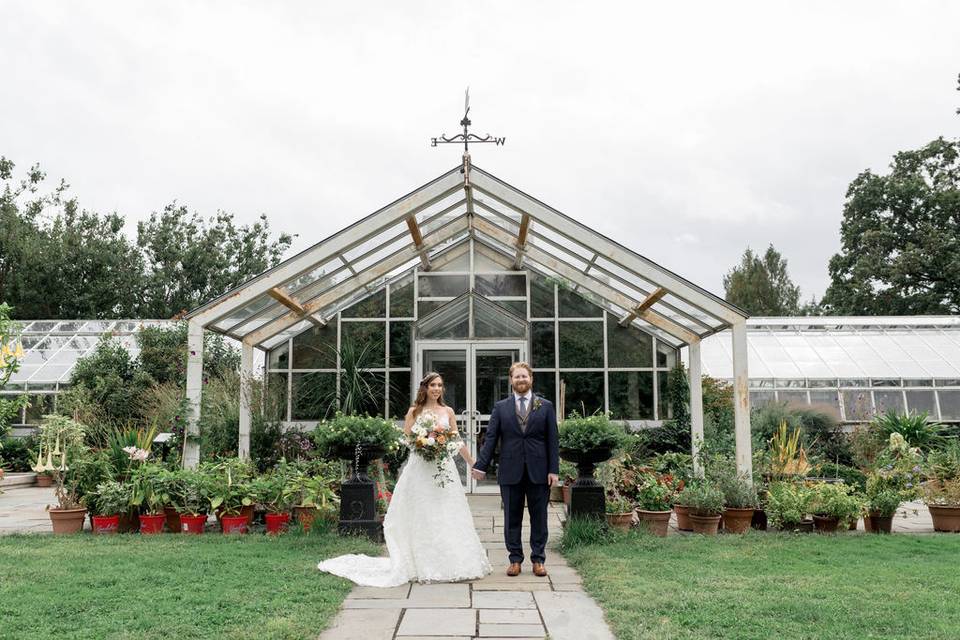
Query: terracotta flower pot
(277, 523)
(880, 524)
(67, 520)
(556, 493)
(945, 518)
(567, 492)
(105, 525)
(707, 525)
(826, 524)
(192, 524)
(305, 516)
(683, 517)
(620, 521)
(44, 480)
(152, 523)
(737, 520)
(173, 519)
(233, 524)
(656, 522)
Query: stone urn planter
(67, 520)
(945, 518)
(656, 522)
(707, 525)
(683, 517)
(358, 494)
(737, 520)
(587, 496)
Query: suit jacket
(536, 450)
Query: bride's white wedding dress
(428, 530)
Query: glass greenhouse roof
(848, 350)
(416, 230)
(52, 347)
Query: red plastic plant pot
(192, 524)
(234, 524)
(106, 525)
(277, 522)
(151, 524)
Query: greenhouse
(853, 368)
(464, 276)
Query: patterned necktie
(523, 413)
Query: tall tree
(190, 260)
(761, 286)
(900, 237)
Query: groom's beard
(521, 388)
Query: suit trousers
(537, 497)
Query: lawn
(170, 586)
(776, 586)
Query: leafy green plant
(738, 491)
(882, 502)
(944, 493)
(850, 476)
(703, 498)
(656, 492)
(618, 505)
(836, 500)
(944, 464)
(193, 496)
(579, 531)
(230, 491)
(275, 491)
(896, 476)
(63, 439)
(110, 498)
(788, 504)
(147, 489)
(788, 457)
(345, 432)
(916, 428)
(591, 433)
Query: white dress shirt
(529, 396)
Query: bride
(428, 528)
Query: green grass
(763, 586)
(170, 586)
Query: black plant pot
(587, 495)
(358, 500)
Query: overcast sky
(685, 130)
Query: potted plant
(357, 439)
(705, 501)
(44, 479)
(588, 441)
(894, 479)
(941, 493)
(655, 495)
(788, 504)
(63, 440)
(834, 506)
(229, 496)
(146, 494)
(314, 496)
(619, 512)
(191, 500)
(105, 505)
(275, 494)
(740, 502)
(568, 474)
(168, 485)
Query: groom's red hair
(521, 365)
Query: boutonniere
(537, 403)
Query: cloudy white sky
(685, 130)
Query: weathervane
(466, 137)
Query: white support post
(695, 380)
(741, 401)
(246, 382)
(191, 447)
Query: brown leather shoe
(514, 569)
(539, 570)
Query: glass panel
(401, 334)
(857, 405)
(500, 285)
(517, 307)
(316, 348)
(949, 404)
(443, 286)
(761, 398)
(401, 300)
(280, 357)
(542, 343)
(666, 356)
(452, 367)
(888, 401)
(918, 383)
(573, 305)
(583, 392)
(853, 383)
(664, 410)
(452, 321)
(40, 405)
(545, 384)
(277, 393)
(374, 306)
(314, 396)
(920, 401)
(886, 382)
(793, 397)
(493, 321)
(828, 401)
(581, 344)
(488, 260)
(631, 395)
(541, 297)
(426, 307)
(493, 378)
(363, 343)
(627, 346)
(400, 401)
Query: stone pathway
(495, 607)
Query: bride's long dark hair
(422, 393)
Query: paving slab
(511, 630)
(503, 600)
(454, 622)
(354, 624)
(572, 616)
(400, 592)
(509, 616)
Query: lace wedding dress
(428, 530)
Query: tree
(900, 238)
(189, 260)
(761, 285)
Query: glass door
(475, 377)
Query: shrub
(944, 464)
(703, 498)
(18, 454)
(788, 504)
(738, 492)
(346, 432)
(590, 433)
(850, 476)
(582, 531)
(836, 500)
(656, 492)
(618, 505)
(945, 493)
(916, 429)
(109, 498)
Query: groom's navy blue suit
(526, 457)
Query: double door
(475, 376)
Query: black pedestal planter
(358, 495)
(587, 495)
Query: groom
(526, 427)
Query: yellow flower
(19, 352)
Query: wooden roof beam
(294, 305)
(418, 242)
(641, 309)
(522, 241)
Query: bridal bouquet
(434, 442)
